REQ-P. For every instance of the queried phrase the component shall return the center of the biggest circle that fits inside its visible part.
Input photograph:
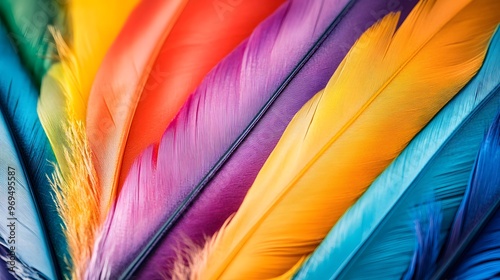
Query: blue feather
(473, 248)
(18, 103)
(21, 231)
(374, 237)
(12, 267)
(427, 229)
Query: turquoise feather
(376, 236)
(18, 103)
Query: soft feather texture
(62, 110)
(344, 136)
(27, 22)
(116, 92)
(214, 117)
(436, 164)
(18, 99)
(473, 238)
(4, 272)
(224, 193)
(147, 76)
(77, 197)
(22, 228)
(427, 229)
(472, 247)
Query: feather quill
(18, 99)
(27, 22)
(436, 164)
(343, 136)
(202, 132)
(62, 109)
(224, 193)
(147, 76)
(22, 230)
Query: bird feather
(28, 22)
(147, 76)
(436, 164)
(18, 99)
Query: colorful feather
(203, 132)
(62, 109)
(22, 232)
(147, 76)
(4, 266)
(343, 137)
(375, 237)
(28, 22)
(18, 99)
(224, 193)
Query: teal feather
(18, 103)
(376, 235)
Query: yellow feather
(386, 90)
(94, 24)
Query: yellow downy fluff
(385, 91)
(94, 24)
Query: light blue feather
(375, 236)
(18, 103)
